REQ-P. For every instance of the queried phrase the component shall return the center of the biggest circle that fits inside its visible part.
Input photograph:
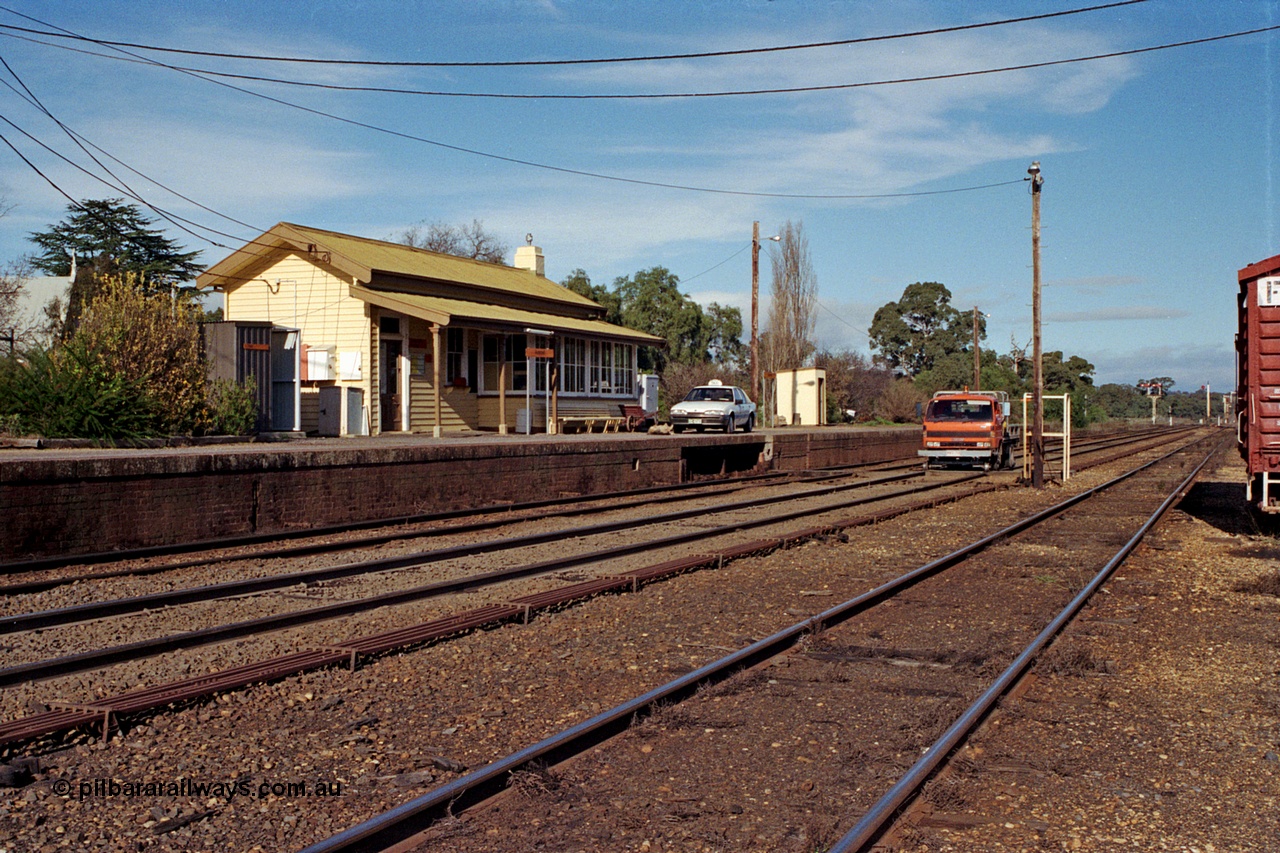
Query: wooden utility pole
(977, 358)
(1037, 393)
(755, 311)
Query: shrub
(152, 340)
(898, 402)
(232, 408)
(72, 393)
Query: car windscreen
(716, 395)
(958, 410)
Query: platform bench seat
(589, 423)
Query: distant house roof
(37, 292)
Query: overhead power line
(560, 169)
(652, 96)
(519, 63)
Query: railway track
(381, 642)
(830, 648)
(47, 573)
(137, 706)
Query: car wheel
(729, 425)
(751, 423)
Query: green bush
(232, 409)
(70, 393)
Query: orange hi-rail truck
(969, 428)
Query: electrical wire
(207, 73)
(120, 185)
(548, 167)
(716, 267)
(730, 93)
(524, 63)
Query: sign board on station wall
(539, 352)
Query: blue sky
(1160, 167)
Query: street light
(755, 306)
(1037, 385)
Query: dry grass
(1265, 584)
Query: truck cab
(969, 428)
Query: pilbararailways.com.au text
(90, 789)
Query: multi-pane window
(513, 353)
(600, 368)
(622, 375)
(455, 361)
(573, 365)
(540, 366)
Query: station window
(455, 355)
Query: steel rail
(408, 819)
(878, 817)
(400, 639)
(106, 557)
(736, 484)
(403, 638)
(227, 589)
(82, 661)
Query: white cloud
(1118, 312)
(1190, 366)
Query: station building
(351, 336)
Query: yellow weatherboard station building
(370, 337)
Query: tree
(580, 283)
(1121, 402)
(853, 383)
(912, 333)
(1068, 376)
(722, 334)
(1156, 386)
(463, 241)
(131, 368)
(651, 302)
(794, 301)
(117, 238)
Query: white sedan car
(714, 405)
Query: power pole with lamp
(1037, 392)
(755, 308)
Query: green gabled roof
(435, 309)
(362, 258)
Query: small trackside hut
(969, 428)
(1258, 381)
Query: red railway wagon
(1258, 381)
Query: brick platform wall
(57, 502)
